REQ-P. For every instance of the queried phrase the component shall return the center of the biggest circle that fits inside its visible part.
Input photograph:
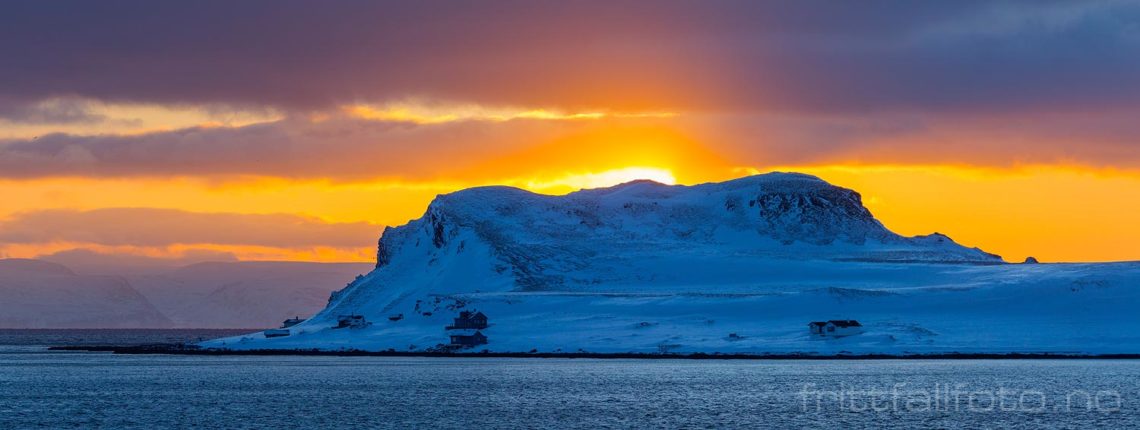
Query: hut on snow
(835, 328)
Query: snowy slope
(649, 267)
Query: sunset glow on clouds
(168, 131)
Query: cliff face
(800, 208)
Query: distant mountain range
(41, 294)
(738, 266)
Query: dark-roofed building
(351, 321)
(469, 320)
(468, 339)
(835, 328)
(816, 327)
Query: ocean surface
(45, 389)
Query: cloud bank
(148, 227)
(350, 149)
(810, 56)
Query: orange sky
(299, 135)
(1053, 212)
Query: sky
(296, 130)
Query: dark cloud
(54, 111)
(993, 83)
(807, 56)
(345, 149)
(147, 227)
(340, 148)
(1104, 140)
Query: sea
(56, 389)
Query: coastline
(176, 349)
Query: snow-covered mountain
(738, 266)
(243, 294)
(39, 294)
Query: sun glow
(1014, 213)
(579, 181)
(421, 113)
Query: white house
(835, 328)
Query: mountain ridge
(787, 207)
(230, 294)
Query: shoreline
(175, 349)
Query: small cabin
(469, 320)
(351, 321)
(835, 328)
(467, 340)
(291, 322)
(275, 332)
